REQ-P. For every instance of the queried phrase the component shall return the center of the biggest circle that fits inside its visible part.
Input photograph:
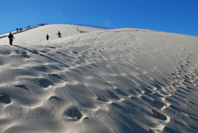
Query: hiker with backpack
(11, 37)
(59, 34)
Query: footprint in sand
(118, 91)
(2, 62)
(4, 98)
(54, 98)
(159, 115)
(112, 95)
(51, 47)
(72, 113)
(55, 75)
(154, 103)
(5, 52)
(23, 53)
(39, 81)
(21, 86)
(75, 52)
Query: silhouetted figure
(21, 29)
(47, 37)
(59, 34)
(11, 37)
(17, 29)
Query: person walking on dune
(59, 34)
(11, 37)
(47, 37)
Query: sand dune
(112, 81)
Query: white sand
(101, 81)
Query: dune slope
(120, 80)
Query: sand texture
(98, 81)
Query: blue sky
(178, 16)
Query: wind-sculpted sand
(101, 81)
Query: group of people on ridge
(19, 29)
(11, 37)
(59, 35)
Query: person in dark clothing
(11, 37)
(47, 37)
(59, 34)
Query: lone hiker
(59, 34)
(47, 36)
(11, 37)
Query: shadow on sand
(36, 52)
